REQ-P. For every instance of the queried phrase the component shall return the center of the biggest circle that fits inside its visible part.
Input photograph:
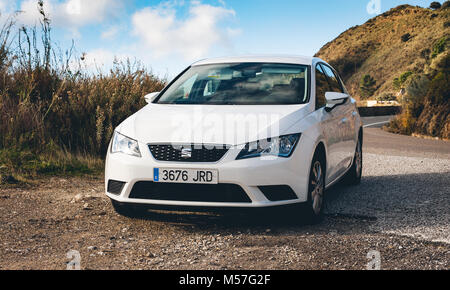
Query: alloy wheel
(317, 187)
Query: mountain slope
(398, 41)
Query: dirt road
(400, 210)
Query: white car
(242, 132)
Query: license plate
(199, 176)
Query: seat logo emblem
(186, 153)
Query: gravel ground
(401, 209)
(407, 195)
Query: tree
(367, 86)
(398, 82)
(446, 5)
(435, 5)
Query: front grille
(188, 153)
(278, 192)
(189, 192)
(115, 187)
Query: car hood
(201, 124)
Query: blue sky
(169, 35)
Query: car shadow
(393, 202)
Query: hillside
(376, 47)
(402, 54)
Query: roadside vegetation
(401, 55)
(56, 116)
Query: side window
(335, 86)
(321, 87)
(341, 82)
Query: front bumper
(249, 174)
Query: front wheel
(355, 172)
(316, 190)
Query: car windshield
(240, 84)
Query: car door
(329, 124)
(344, 121)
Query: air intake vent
(278, 192)
(115, 187)
(189, 192)
(188, 153)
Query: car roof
(288, 59)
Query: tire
(313, 208)
(355, 172)
(127, 210)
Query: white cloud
(110, 33)
(165, 34)
(4, 6)
(71, 14)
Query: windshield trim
(308, 93)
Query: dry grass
(56, 119)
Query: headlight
(279, 146)
(123, 144)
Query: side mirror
(151, 97)
(335, 99)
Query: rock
(86, 206)
(91, 248)
(77, 198)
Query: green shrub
(439, 47)
(386, 97)
(406, 37)
(435, 5)
(398, 82)
(417, 87)
(367, 86)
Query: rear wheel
(355, 172)
(316, 191)
(127, 210)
